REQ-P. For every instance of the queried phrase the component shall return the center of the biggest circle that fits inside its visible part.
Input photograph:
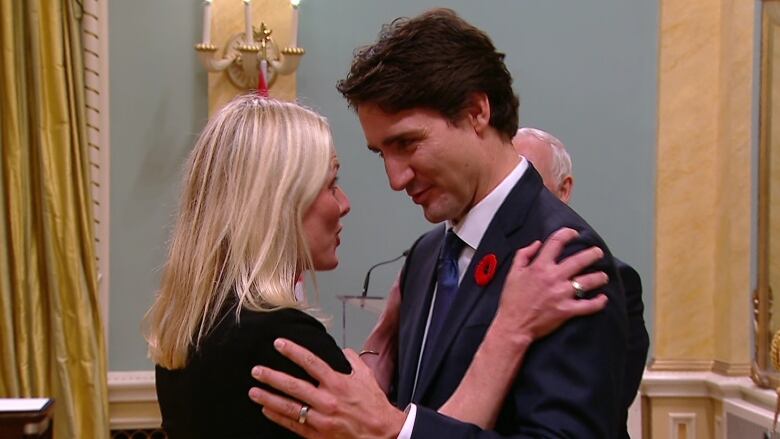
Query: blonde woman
(260, 205)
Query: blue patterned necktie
(446, 289)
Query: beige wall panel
(687, 129)
(703, 182)
(774, 182)
(734, 185)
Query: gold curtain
(51, 336)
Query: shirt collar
(472, 227)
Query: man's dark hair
(435, 60)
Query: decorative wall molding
(132, 400)
(749, 412)
(715, 399)
(719, 431)
(657, 384)
(682, 422)
(742, 369)
(94, 37)
(681, 365)
(719, 367)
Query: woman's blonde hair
(255, 169)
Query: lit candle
(206, 21)
(248, 22)
(294, 40)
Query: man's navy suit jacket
(570, 383)
(638, 339)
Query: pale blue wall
(158, 104)
(585, 71)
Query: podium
(26, 418)
(372, 304)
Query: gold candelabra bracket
(243, 59)
(263, 35)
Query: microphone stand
(363, 296)
(368, 273)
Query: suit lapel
(417, 294)
(501, 239)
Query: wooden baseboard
(132, 400)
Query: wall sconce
(252, 59)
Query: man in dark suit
(553, 162)
(435, 102)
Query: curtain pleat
(51, 336)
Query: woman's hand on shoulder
(541, 294)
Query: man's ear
(565, 189)
(478, 112)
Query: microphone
(368, 273)
(362, 298)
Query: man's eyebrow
(413, 133)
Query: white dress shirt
(470, 230)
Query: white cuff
(408, 428)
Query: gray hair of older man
(561, 160)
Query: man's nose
(399, 173)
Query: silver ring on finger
(303, 414)
(579, 291)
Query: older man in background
(549, 156)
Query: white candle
(206, 21)
(248, 22)
(294, 39)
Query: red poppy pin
(486, 269)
